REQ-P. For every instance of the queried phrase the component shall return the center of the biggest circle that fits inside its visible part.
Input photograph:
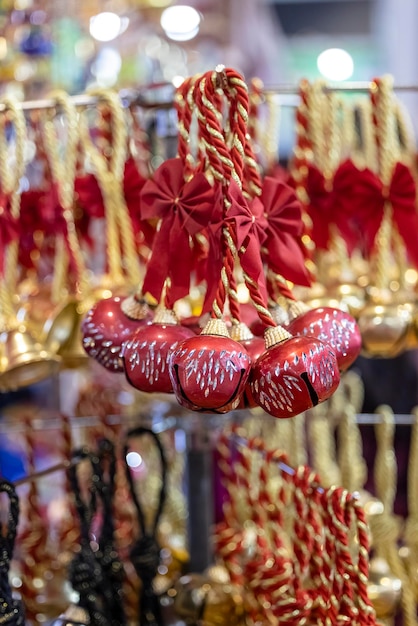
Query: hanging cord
(110, 176)
(406, 150)
(322, 445)
(346, 404)
(10, 187)
(111, 566)
(185, 107)
(232, 168)
(145, 554)
(63, 172)
(220, 167)
(11, 611)
(411, 526)
(85, 573)
(388, 154)
(68, 532)
(365, 152)
(299, 170)
(384, 528)
(10, 179)
(139, 144)
(252, 184)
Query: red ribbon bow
(90, 200)
(246, 236)
(184, 208)
(30, 220)
(285, 255)
(212, 266)
(370, 199)
(332, 202)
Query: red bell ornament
(293, 374)
(255, 347)
(105, 328)
(146, 353)
(334, 327)
(209, 371)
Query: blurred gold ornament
(70, 349)
(384, 588)
(197, 598)
(23, 361)
(218, 574)
(387, 329)
(60, 325)
(172, 566)
(350, 296)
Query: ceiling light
(180, 22)
(335, 64)
(107, 26)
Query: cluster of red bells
(286, 372)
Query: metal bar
(49, 103)
(142, 101)
(163, 423)
(45, 472)
(159, 424)
(353, 86)
(200, 497)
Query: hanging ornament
(255, 347)
(294, 374)
(146, 353)
(70, 284)
(209, 371)
(105, 328)
(23, 361)
(145, 553)
(386, 324)
(183, 201)
(112, 321)
(333, 327)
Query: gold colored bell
(384, 588)
(72, 354)
(23, 361)
(386, 329)
(197, 599)
(59, 328)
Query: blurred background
(74, 44)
